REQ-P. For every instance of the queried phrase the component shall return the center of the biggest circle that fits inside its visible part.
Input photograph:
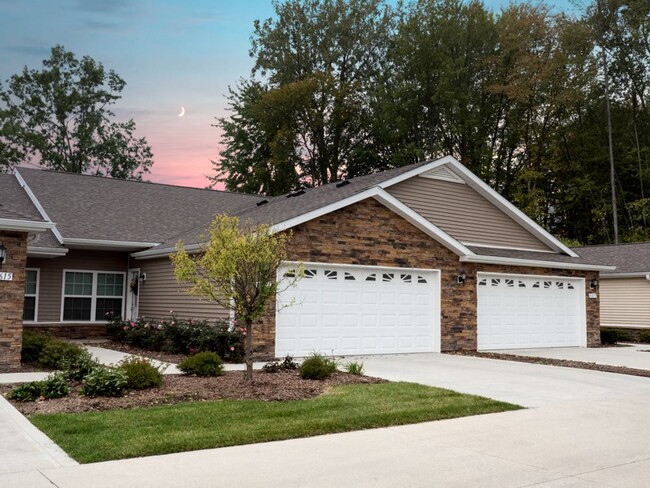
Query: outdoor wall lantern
(462, 276)
(594, 284)
(3, 253)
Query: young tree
(59, 118)
(237, 269)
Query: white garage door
(348, 310)
(529, 311)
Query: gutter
(105, 244)
(637, 274)
(534, 263)
(45, 252)
(163, 252)
(25, 225)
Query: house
(422, 258)
(624, 292)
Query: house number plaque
(4, 276)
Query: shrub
(57, 354)
(608, 336)
(355, 368)
(644, 336)
(623, 336)
(287, 364)
(202, 364)
(317, 367)
(180, 336)
(140, 373)
(77, 368)
(103, 381)
(28, 392)
(33, 344)
(55, 386)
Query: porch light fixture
(593, 284)
(3, 253)
(462, 276)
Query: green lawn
(118, 434)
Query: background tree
(515, 95)
(59, 118)
(319, 60)
(236, 268)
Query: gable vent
(442, 173)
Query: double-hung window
(90, 295)
(31, 295)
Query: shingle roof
(14, 202)
(628, 258)
(93, 207)
(283, 208)
(532, 255)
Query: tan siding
(160, 294)
(51, 276)
(625, 301)
(463, 213)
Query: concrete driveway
(588, 431)
(529, 385)
(629, 355)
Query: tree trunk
(249, 350)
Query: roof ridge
(69, 173)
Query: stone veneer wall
(368, 233)
(12, 297)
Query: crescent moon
(182, 112)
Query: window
(90, 295)
(31, 295)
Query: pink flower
(173, 323)
(171, 312)
(132, 324)
(243, 332)
(124, 328)
(191, 350)
(232, 348)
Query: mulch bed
(556, 362)
(166, 357)
(280, 386)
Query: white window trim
(38, 283)
(94, 296)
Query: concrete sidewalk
(629, 355)
(24, 448)
(579, 445)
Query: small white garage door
(348, 310)
(529, 311)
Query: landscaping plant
(56, 354)
(140, 373)
(54, 386)
(76, 368)
(287, 364)
(33, 344)
(104, 381)
(354, 367)
(317, 367)
(237, 269)
(202, 364)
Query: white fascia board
(45, 252)
(517, 215)
(389, 201)
(533, 263)
(510, 248)
(17, 225)
(163, 252)
(105, 244)
(638, 274)
(37, 204)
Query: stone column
(12, 297)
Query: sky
(171, 54)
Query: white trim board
(45, 252)
(25, 225)
(533, 263)
(74, 242)
(37, 204)
(393, 204)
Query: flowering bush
(180, 336)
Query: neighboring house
(624, 292)
(422, 258)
